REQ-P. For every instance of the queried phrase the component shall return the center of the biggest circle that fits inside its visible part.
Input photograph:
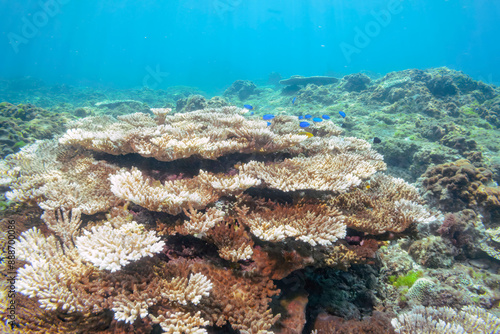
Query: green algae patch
(406, 280)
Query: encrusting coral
(264, 200)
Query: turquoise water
(209, 44)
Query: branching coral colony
(126, 203)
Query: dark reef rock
(241, 88)
(419, 75)
(123, 107)
(344, 294)
(396, 94)
(442, 86)
(118, 103)
(193, 102)
(355, 82)
(298, 80)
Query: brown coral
(460, 184)
(239, 300)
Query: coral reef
(214, 220)
(268, 202)
(378, 323)
(433, 252)
(356, 82)
(460, 184)
(243, 89)
(446, 320)
(25, 123)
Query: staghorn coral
(64, 224)
(342, 256)
(183, 290)
(278, 264)
(63, 291)
(180, 322)
(161, 114)
(240, 300)
(112, 248)
(233, 242)
(446, 320)
(49, 272)
(200, 223)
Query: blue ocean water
(211, 43)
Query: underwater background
(253, 167)
(209, 44)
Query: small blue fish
(308, 116)
(343, 114)
(267, 117)
(317, 119)
(268, 123)
(325, 117)
(247, 106)
(251, 114)
(301, 117)
(293, 101)
(304, 124)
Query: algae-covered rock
(24, 112)
(459, 141)
(316, 94)
(442, 86)
(217, 102)
(398, 153)
(33, 123)
(193, 102)
(355, 82)
(243, 89)
(433, 252)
